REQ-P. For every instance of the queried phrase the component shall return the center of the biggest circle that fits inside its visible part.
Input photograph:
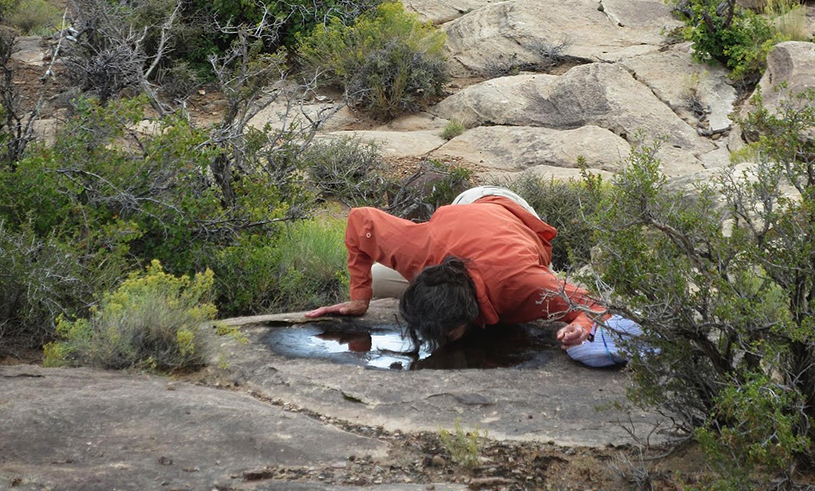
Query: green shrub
(347, 169)
(152, 320)
(44, 277)
(388, 61)
(734, 36)
(245, 276)
(452, 129)
(303, 267)
(311, 264)
(179, 80)
(34, 17)
(752, 426)
(434, 184)
(721, 279)
(564, 204)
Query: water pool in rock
(382, 346)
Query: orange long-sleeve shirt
(506, 249)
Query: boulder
(512, 149)
(529, 32)
(398, 144)
(441, 11)
(597, 94)
(641, 14)
(705, 85)
(792, 63)
(29, 50)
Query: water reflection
(383, 347)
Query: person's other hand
(571, 335)
(354, 307)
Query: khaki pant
(387, 283)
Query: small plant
(753, 426)
(463, 446)
(690, 94)
(151, 321)
(452, 129)
(388, 61)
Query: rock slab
(72, 429)
(597, 94)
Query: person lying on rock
(484, 259)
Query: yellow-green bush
(388, 61)
(151, 321)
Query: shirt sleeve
(375, 236)
(360, 257)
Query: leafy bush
(33, 17)
(725, 32)
(721, 279)
(110, 195)
(388, 61)
(245, 276)
(152, 320)
(564, 205)
(353, 172)
(452, 129)
(752, 426)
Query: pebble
(430, 487)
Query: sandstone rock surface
(509, 148)
(707, 84)
(792, 63)
(525, 31)
(561, 396)
(72, 429)
(441, 11)
(396, 144)
(597, 94)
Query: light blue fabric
(605, 350)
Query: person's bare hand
(354, 307)
(571, 335)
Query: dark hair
(440, 299)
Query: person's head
(439, 303)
